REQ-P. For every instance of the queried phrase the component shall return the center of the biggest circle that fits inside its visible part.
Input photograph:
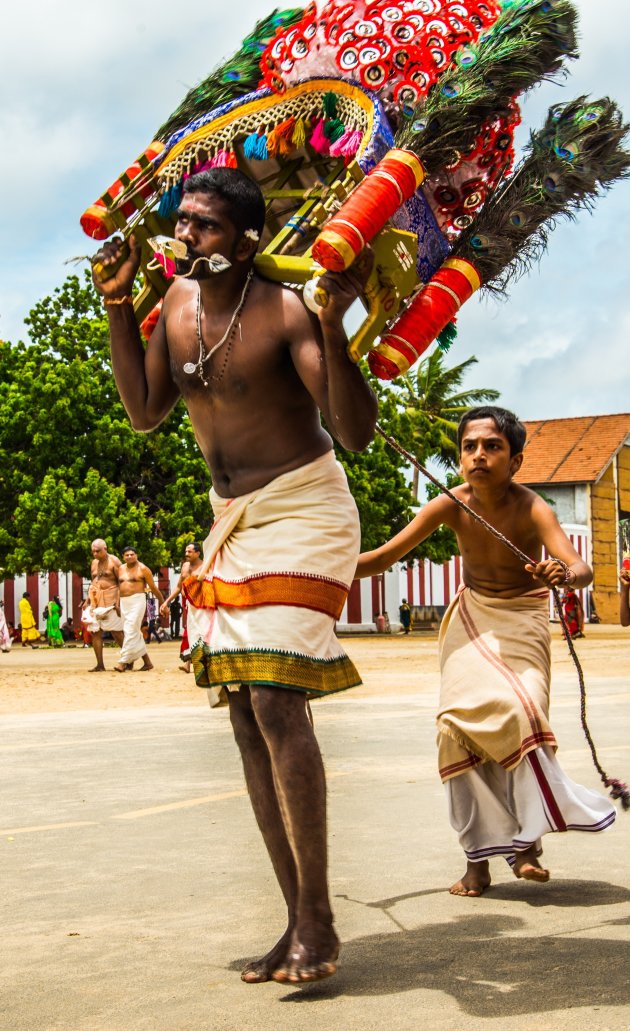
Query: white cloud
(95, 85)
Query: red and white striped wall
(425, 584)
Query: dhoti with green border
(278, 564)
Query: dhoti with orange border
(278, 564)
(497, 759)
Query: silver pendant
(190, 369)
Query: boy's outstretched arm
(555, 540)
(433, 514)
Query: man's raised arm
(345, 399)
(143, 377)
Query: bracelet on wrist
(109, 301)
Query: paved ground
(134, 885)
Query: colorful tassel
(299, 133)
(170, 201)
(334, 129)
(279, 141)
(319, 141)
(330, 105)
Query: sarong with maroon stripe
(277, 567)
(504, 784)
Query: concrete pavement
(135, 885)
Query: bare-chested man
(190, 565)
(255, 369)
(135, 579)
(104, 600)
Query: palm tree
(432, 400)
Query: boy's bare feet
(474, 882)
(312, 956)
(146, 664)
(123, 667)
(97, 669)
(260, 970)
(528, 867)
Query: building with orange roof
(582, 465)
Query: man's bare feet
(312, 956)
(261, 970)
(146, 665)
(123, 667)
(528, 867)
(185, 668)
(474, 882)
(97, 669)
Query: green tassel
(330, 105)
(334, 129)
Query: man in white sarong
(255, 369)
(103, 601)
(134, 580)
(504, 785)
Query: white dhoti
(504, 785)
(277, 567)
(107, 618)
(132, 610)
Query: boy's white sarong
(132, 611)
(504, 784)
(278, 563)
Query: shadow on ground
(488, 963)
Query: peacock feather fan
(578, 154)
(236, 77)
(528, 42)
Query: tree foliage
(71, 466)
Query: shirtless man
(104, 600)
(190, 565)
(135, 579)
(255, 406)
(504, 785)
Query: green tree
(432, 395)
(431, 403)
(72, 468)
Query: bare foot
(260, 970)
(122, 667)
(528, 867)
(97, 669)
(474, 882)
(312, 956)
(185, 668)
(147, 665)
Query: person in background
(30, 633)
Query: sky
(83, 90)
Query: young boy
(504, 786)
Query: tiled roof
(572, 450)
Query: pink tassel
(220, 159)
(336, 148)
(352, 144)
(319, 141)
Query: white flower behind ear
(252, 234)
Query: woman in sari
(53, 633)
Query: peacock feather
(528, 42)
(236, 77)
(578, 154)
